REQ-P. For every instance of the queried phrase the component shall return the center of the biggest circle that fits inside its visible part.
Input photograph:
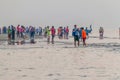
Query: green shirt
(48, 32)
(9, 31)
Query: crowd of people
(22, 32)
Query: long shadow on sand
(23, 48)
(62, 44)
(110, 46)
(107, 46)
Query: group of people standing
(80, 34)
(22, 32)
(11, 34)
(51, 33)
(63, 32)
(3, 30)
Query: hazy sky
(60, 12)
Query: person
(84, 35)
(24, 34)
(37, 31)
(48, 35)
(67, 32)
(87, 32)
(9, 35)
(20, 30)
(18, 33)
(75, 34)
(59, 31)
(90, 28)
(64, 33)
(53, 34)
(101, 32)
(27, 30)
(40, 31)
(45, 32)
(13, 34)
(32, 33)
(80, 32)
(4, 30)
(0, 30)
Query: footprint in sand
(8, 54)
(57, 50)
(19, 70)
(40, 57)
(6, 69)
(58, 74)
(31, 68)
(24, 75)
(50, 74)
(82, 76)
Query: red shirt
(52, 31)
(18, 28)
(67, 30)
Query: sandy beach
(26, 55)
(62, 61)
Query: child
(84, 35)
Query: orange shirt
(83, 34)
(58, 30)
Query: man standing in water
(53, 34)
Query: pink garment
(67, 30)
(20, 29)
(52, 31)
(23, 29)
(17, 28)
